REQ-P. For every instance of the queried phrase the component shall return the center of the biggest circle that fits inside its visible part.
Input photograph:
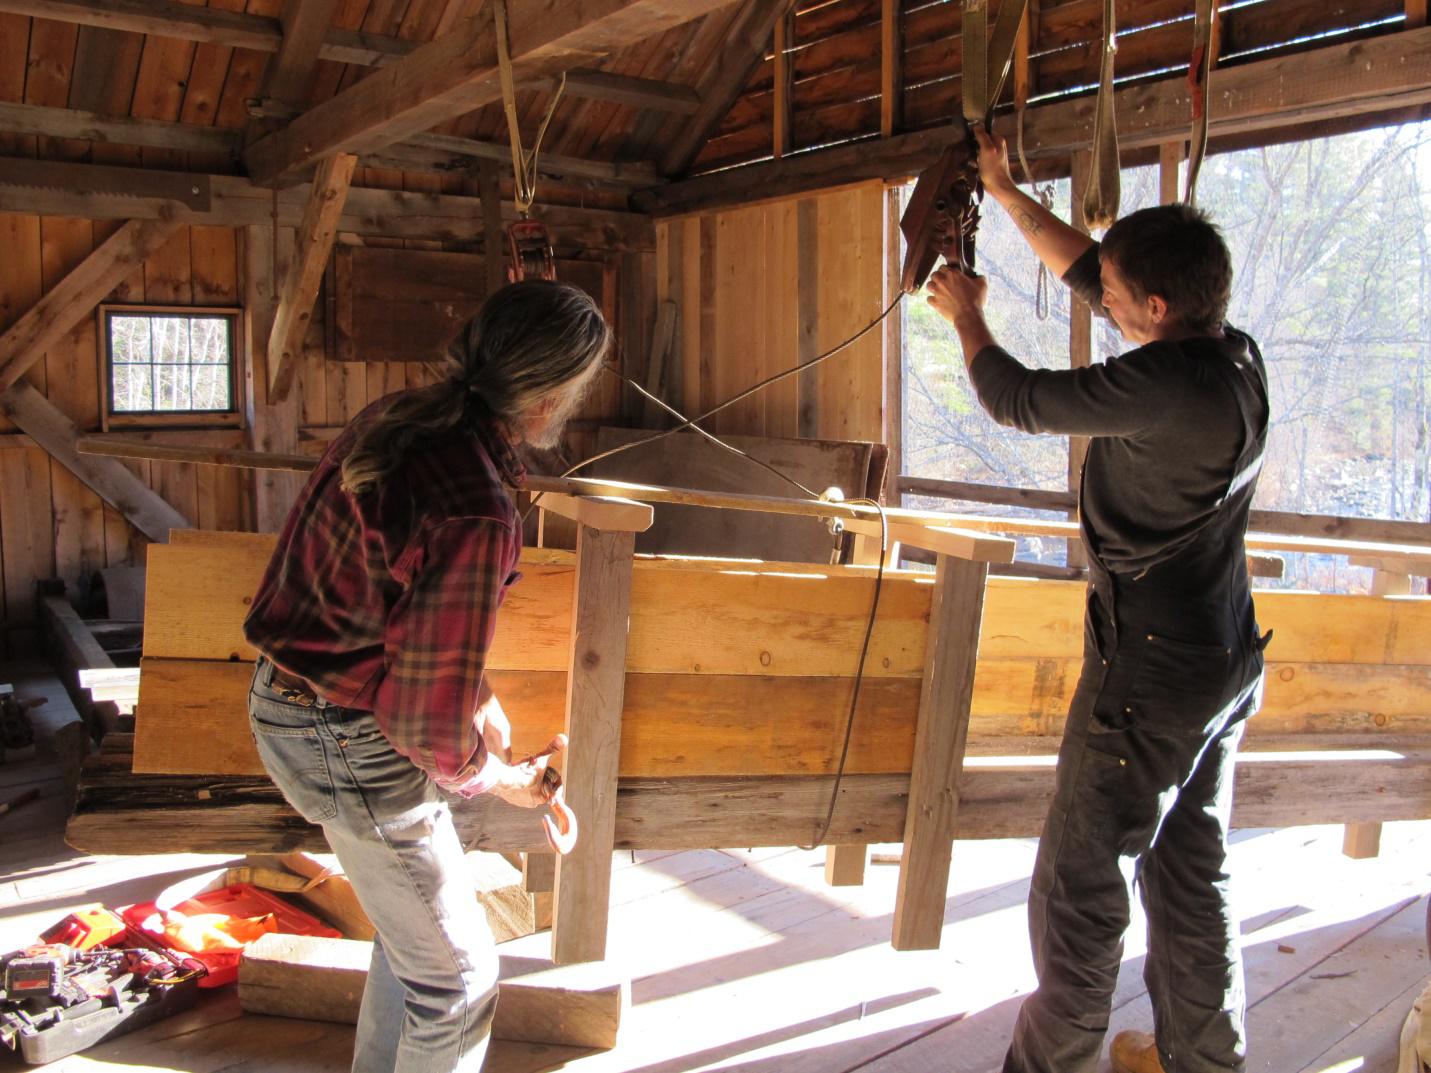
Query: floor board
(746, 961)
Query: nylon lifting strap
(1100, 200)
(1199, 87)
(524, 164)
(985, 62)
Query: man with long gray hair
(374, 620)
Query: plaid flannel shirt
(388, 601)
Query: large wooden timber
(457, 73)
(107, 192)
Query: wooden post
(305, 273)
(891, 70)
(939, 740)
(272, 425)
(1170, 158)
(1362, 841)
(784, 83)
(1080, 348)
(596, 683)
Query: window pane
(129, 339)
(1331, 245)
(209, 342)
(946, 434)
(171, 340)
(211, 387)
(173, 387)
(131, 391)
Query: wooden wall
(52, 525)
(758, 289)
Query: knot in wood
(590, 658)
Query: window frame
(130, 419)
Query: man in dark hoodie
(1172, 658)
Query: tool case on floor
(241, 900)
(56, 1000)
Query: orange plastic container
(235, 900)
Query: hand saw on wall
(191, 191)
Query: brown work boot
(1134, 1052)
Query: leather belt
(291, 687)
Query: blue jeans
(1142, 796)
(432, 984)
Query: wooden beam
(141, 506)
(1080, 351)
(943, 539)
(939, 743)
(75, 296)
(422, 152)
(606, 513)
(626, 89)
(1415, 14)
(272, 424)
(891, 68)
(630, 174)
(458, 73)
(170, 19)
(742, 51)
(495, 255)
(115, 130)
(305, 274)
(1364, 77)
(596, 684)
(96, 192)
(305, 25)
(784, 82)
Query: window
(170, 365)
(1331, 248)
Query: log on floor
(322, 979)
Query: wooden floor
(747, 961)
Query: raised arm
(1056, 243)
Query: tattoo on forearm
(1028, 222)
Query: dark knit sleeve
(1083, 279)
(1123, 397)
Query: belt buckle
(297, 696)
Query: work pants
(1142, 796)
(432, 983)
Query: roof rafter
(167, 18)
(458, 73)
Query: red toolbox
(241, 900)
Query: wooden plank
(305, 271)
(807, 245)
(109, 479)
(784, 78)
(601, 512)
(744, 48)
(891, 75)
(115, 130)
(938, 762)
(596, 681)
(127, 813)
(76, 295)
(456, 74)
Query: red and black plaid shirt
(388, 601)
